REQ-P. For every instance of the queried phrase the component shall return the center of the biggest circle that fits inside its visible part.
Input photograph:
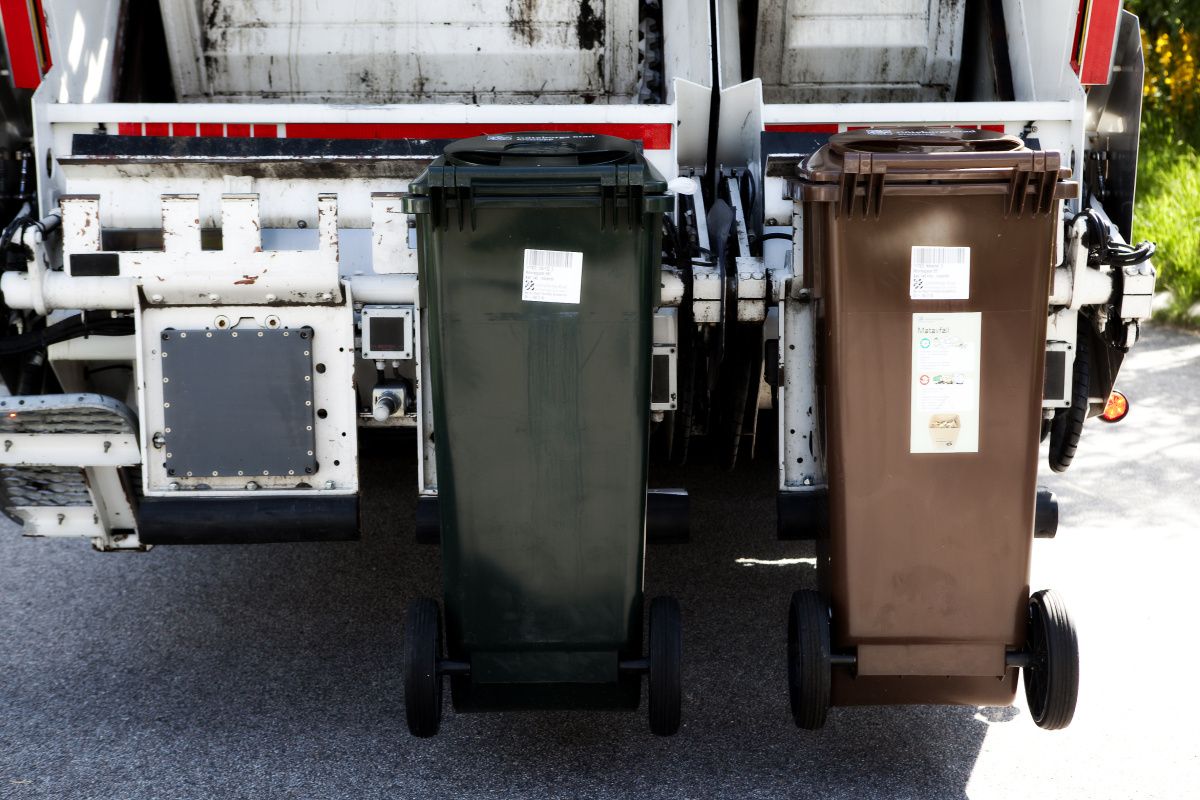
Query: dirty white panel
(687, 43)
(739, 130)
(855, 51)
(379, 51)
(82, 36)
(693, 105)
(1041, 36)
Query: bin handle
(550, 149)
(869, 171)
(922, 143)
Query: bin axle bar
(1018, 659)
(638, 665)
(448, 667)
(843, 659)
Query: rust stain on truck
(520, 20)
(589, 27)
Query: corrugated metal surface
(857, 51)
(381, 51)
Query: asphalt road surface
(274, 671)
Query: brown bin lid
(923, 140)
(884, 160)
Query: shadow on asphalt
(275, 670)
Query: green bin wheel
(666, 677)
(1052, 673)
(809, 665)
(422, 683)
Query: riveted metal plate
(238, 402)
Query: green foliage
(1168, 192)
(1157, 16)
(1168, 213)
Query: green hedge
(1167, 209)
(1167, 212)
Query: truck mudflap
(248, 520)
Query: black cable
(671, 240)
(85, 324)
(1102, 250)
(6, 241)
(775, 235)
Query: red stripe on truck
(25, 38)
(654, 136)
(810, 127)
(998, 127)
(1099, 35)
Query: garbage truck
(889, 243)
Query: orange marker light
(1116, 408)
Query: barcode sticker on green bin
(552, 276)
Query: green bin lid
(541, 148)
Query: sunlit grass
(1167, 212)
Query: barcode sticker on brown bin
(940, 273)
(552, 276)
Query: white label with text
(945, 383)
(940, 273)
(552, 276)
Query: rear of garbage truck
(887, 244)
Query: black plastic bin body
(539, 258)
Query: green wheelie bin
(539, 259)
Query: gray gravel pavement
(274, 671)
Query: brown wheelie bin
(929, 254)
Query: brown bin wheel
(422, 683)
(666, 658)
(1052, 674)
(1067, 425)
(808, 659)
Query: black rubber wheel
(422, 683)
(1045, 517)
(1067, 425)
(808, 659)
(1052, 675)
(666, 657)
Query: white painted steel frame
(332, 344)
